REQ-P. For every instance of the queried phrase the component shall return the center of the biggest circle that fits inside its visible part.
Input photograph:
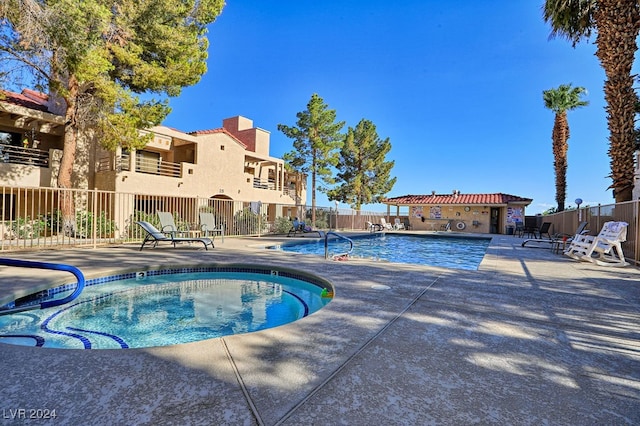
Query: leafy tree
(617, 23)
(96, 57)
(560, 100)
(317, 140)
(363, 171)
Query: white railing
(33, 218)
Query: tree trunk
(560, 148)
(618, 24)
(67, 204)
(313, 197)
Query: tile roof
(498, 198)
(36, 100)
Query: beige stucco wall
(24, 175)
(479, 214)
(220, 170)
(476, 220)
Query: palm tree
(560, 100)
(617, 23)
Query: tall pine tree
(316, 141)
(96, 57)
(364, 175)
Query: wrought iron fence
(32, 218)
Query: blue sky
(455, 85)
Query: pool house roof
(458, 198)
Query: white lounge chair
(385, 224)
(605, 249)
(397, 224)
(208, 225)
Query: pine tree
(317, 140)
(97, 57)
(364, 175)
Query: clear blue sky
(456, 86)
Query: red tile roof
(35, 100)
(468, 199)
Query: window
(10, 138)
(7, 207)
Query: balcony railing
(264, 183)
(28, 156)
(151, 166)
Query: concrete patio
(530, 338)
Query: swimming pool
(449, 252)
(167, 307)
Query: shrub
(282, 225)
(27, 228)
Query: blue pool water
(448, 252)
(166, 309)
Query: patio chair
(397, 224)
(154, 236)
(208, 225)
(302, 228)
(374, 227)
(385, 224)
(168, 225)
(605, 249)
(555, 238)
(446, 226)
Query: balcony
(27, 156)
(150, 166)
(264, 183)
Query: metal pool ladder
(44, 265)
(326, 244)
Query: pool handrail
(45, 265)
(326, 243)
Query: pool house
(478, 213)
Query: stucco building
(181, 172)
(231, 162)
(480, 213)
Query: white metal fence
(32, 218)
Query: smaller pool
(159, 308)
(445, 251)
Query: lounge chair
(154, 236)
(385, 224)
(168, 225)
(605, 249)
(446, 226)
(374, 227)
(397, 224)
(208, 225)
(302, 228)
(555, 238)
